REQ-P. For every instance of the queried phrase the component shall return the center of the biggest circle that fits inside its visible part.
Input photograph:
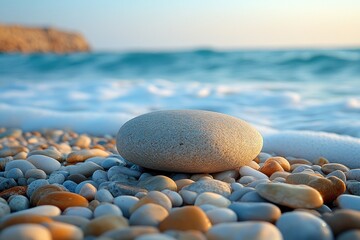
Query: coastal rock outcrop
(32, 39)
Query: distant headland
(14, 38)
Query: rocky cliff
(29, 39)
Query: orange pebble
(21, 219)
(63, 200)
(18, 190)
(271, 167)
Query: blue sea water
(97, 92)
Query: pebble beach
(59, 184)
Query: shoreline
(37, 168)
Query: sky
(168, 24)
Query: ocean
(312, 90)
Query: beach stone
(26, 232)
(154, 197)
(103, 224)
(174, 197)
(77, 178)
(7, 183)
(221, 215)
(209, 185)
(11, 132)
(158, 183)
(18, 203)
(244, 230)
(4, 209)
(56, 178)
(186, 218)
(238, 194)
(353, 174)
(330, 167)
(42, 191)
(70, 185)
(186, 235)
(118, 189)
(11, 151)
(258, 181)
(52, 153)
(17, 190)
(245, 180)
(47, 164)
(35, 174)
(86, 169)
(188, 197)
(112, 161)
(125, 203)
(80, 185)
(107, 209)
(129, 233)
(213, 199)
(78, 211)
(103, 195)
(14, 173)
(82, 141)
(342, 220)
(252, 196)
(100, 176)
(82, 155)
(329, 188)
(310, 227)
(270, 167)
(183, 183)
(347, 201)
(48, 210)
(353, 188)
(293, 196)
(23, 219)
(88, 191)
(349, 235)
(78, 221)
(23, 165)
(63, 231)
(148, 215)
(337, 173)
(248, 171)
(155, 236)
(35, 185)
(63, 200)
(188, 141)
(256, 211)
(236, 186)
(226, 174)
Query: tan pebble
(63, 231)
(26, 232)
(198, 176)
(342, 220)
(21, 155)
(88, 191)
(83, 141)
(17, 190)
(294, 196)
(21, 219)
(158, 183)
(330, 188)
(257, 159)
(106, 223)
(270, 167)
(42, 192)
(82, 155)
(284, 163)
(50, 152)
(213, 199)
(299, 161)
(331, 167)
(186, 218)
(253, 165)
(63, 200)
(321, 161)
(154, 197)
(302, 178)
(129, 233)
(12, 151)
(279, 174)
(183, 183)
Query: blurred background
(91, 65)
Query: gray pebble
(35, 173)
(4, 209)
(125, 203)
(18, 203)
(23, 165)
(103, 195)
(14, 173)
(237, 195)
(107, 209)
(252, 196)
(56, 178)
(22, 181)
(353, 187)
(301, 168)
(354, 174)
(111, 162)
(338, 173)
(100, 176)
(35, 185)
(70, 185)
(118, 189)
(80, 185)
(7, 183)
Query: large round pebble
(148, 215)
(188, 141)
(103, 224)
(63, 200)
(47, 164)
(256, 211)
(26, 232)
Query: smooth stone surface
(63, 200)
(342, 220)
(64, 231)
(256, 211)
(158, 183)
(174, 197)
(148, 215)
(294, 196)
(103, 224)
(26, 232)
(4, 209)
(353, 187)
(47, 210)
(302, 225)
(244, 230)
(129, 233)
(349, 235)
(18, 203)
(88, 191)
(347, 201)
(125, 203)
(209, 185)
(78, 211)
(42, 191)
(353, 174)
(155, 236)
(213, 199)
(103, 195)
(78, 221)
(248, 171)
(188, 141)
(24, 219)
(47, 164)
(118, 189)
(107, 209)
(156, 198)
(23, 165)
(221, 215)
(186, 218)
